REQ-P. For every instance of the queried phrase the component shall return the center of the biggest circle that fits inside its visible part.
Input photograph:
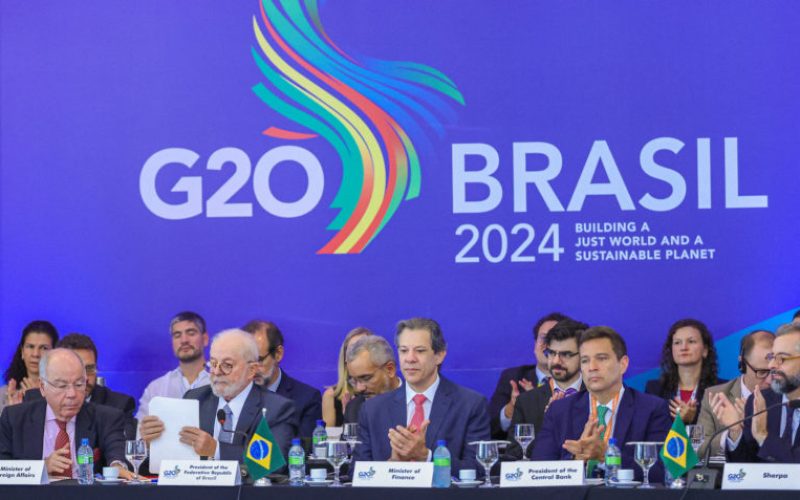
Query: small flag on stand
(263, 455)
(677, 454)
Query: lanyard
(614, 409)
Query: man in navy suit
(773, 436)
(52, 427)
(520, 379)
(232, 367)
(404, 424)
(579, 427)
(307, 400)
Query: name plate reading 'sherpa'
(554, 473)
(199, 473)
(748, 476)
(23, 472)
(394, 474)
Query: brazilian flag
(263, 455)
(678, 455)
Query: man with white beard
(232, 366)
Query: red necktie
(419, 411)
(62, 440)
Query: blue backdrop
(368, 161)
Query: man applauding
(579, 427)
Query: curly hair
(669, 369)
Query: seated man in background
(307, 400)
(404, 425)
(372, 371)
(519, 379)
(51, 429)
(772, 436)
(233, 365)
(753, 366)
(189, 339)
(564, 365)
(84, 347)
(580, 426)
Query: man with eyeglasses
(753, 350)
(51, 429)
(189, 339)
(772, 436)
(84, 347)
(307, 400)
(372, 370)
(233, 365)
(561, 350)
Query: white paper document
(176, 414)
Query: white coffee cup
(625, 475)
(110, 473)
(318, 474)
(467, 474)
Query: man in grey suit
(233, 365)
(754, 370)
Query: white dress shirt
(236, 405)
(170, 385)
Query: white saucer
(467, 484)
(626, 484)
(594, 481)
(314, 482)
(116, 480)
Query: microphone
(221, 417)
(705, 477)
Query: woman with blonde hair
(336, 397)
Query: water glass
(524, 434)
(696, 435)
(136, 453)
(487, 456)
(337, 455)
(645, 454)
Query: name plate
(761, 476)
(23, 472)
(199, 473)
(552, 473)
(394, 474)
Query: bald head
(61, 357)
(63, 382)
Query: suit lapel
(208, 413)
(250, 410)
(286, 385)
(734, 390)
(442, 401)
(84, 425)
(397, 412)
(624, 415)
(34, 445)
(580, 414)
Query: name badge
(761, 476)
(394, 474)
(199, 473)
(23, 472)
(552, 473)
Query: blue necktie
(226, 431)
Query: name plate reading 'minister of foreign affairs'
(23, 472)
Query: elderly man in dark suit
(307, 400)
(233, 365)
(579, 427)
(405, 424)
(52, 428)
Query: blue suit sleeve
(546, 445)
(364, 449)
(477, 430)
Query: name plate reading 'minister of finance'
(394, 474)
(554, 473)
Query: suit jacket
(106, 397)
(280, 417)
(502, 394)
(655, 388)
(307, 402)
(774, 448)
(530, 410)
(353, 408)
(22, 432)
(641, 417)
(458, 415)
(732, 390)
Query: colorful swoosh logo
(377, 115)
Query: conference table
(71, 491)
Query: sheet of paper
(176, 414)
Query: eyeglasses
(362, 379)
(262, 358)
(224, 367)
(760, 372)
(565, 355)
(80, 385)
(780, 358)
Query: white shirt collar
(237, 403)
(542, 376)
(429, 392)
(745, 391)
(274, 386)
(575, 385)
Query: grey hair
(248, 346)
(52, 352)
(787, 329)
(380, 352)
(438, 343)
(195, 318)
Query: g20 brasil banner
(333, 164)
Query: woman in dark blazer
(688, 367)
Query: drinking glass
(697, 436)
(487, 455)
(350, 434)
(136, 453)
(645, 455)
(337, 455)
(524, 434)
